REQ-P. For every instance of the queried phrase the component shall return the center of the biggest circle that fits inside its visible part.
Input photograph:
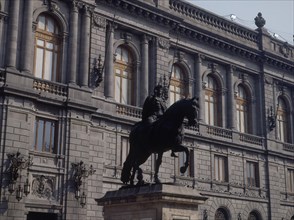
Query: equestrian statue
(161, 130)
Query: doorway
(41, 216)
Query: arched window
(221, 214)
(253, 216)
(212, 103)
(124, 74)
(242, 107)
(282, 121)
(48, 47)
(176, 89)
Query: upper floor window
(212, 103)
(290, 177)
(124, 74)
(48, 43)
(221, 168)
(45, 135)
(242, 107)
(252, 173)
(282, 121)
(177, 85)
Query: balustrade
(50, 87)
(217, 22)
(130, 111)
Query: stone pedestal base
(152, 202)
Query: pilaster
(12, 34)
(73, 43)
(145, 70)
(26, 56)
(109, 78)
(85, 46)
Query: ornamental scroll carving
(99, 21)
(43, 186)
(285, 50)
(164, 44)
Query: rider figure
(154, 107)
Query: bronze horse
(164, 134)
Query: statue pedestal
(152, 202)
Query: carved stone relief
(99, 21)
(43, 186)
(164, 44)
(285, 50)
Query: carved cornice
(277, 63)
(214, 21)
(152, 14)
(180, 28)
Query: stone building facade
(64, 127)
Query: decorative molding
(99, 21)
(285, 50)
(209, 19)
(243, 77)
(163, 43)
(268, 80)
(43, 186)
(212, 66)
(126, 36)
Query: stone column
(73, 43)
(231, 98)
(12, 34)
(85, 47)
(109, 74)
(144, 76)
(27, 39)
(198, 86)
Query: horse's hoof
(140, 183)
(183, 169)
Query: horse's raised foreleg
(157, 165)
(181, 148)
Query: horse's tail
(126, 171)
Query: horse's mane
(175, 106)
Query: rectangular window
(124, 150)
(290, 184)
(220, 168)
(45, 138)
(252, 174)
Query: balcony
(50, 87)
(128, 110)
(212, 132)
(288, 147)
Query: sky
(279, 14)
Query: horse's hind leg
(157, 165)
(133, 175)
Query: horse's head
(192, 111)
